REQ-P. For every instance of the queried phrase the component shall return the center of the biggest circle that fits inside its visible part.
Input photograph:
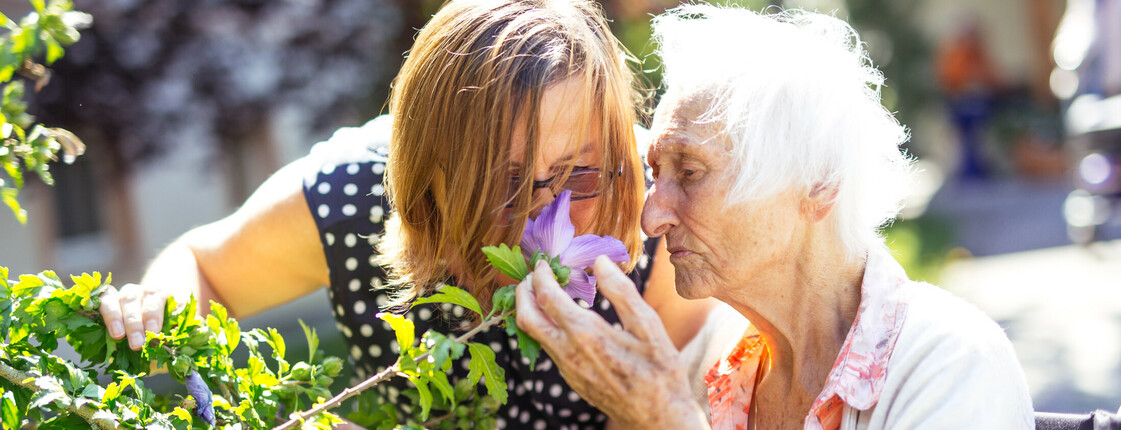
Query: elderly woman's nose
(658, 214)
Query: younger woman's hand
(132, 311)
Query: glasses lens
(583, 183)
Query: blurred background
(1013, 107)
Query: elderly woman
(775, 165)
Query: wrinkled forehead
(686, 120)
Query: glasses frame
(548, 183)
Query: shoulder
(343, 176)
(368, 143)
(951, 366)
(942, 324)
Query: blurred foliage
(921, 245)
(630, 21)
(886, 26)
(899, 50)
(27, 146)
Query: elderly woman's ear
(819, 202)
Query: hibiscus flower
(551, 236)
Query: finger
(552, 300)
(111, 313)
(530, 318)
(155, 301)
(132, 311)
(637, 316)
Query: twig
(432, 422)
(26, 380)
(334, 402)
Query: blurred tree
(899, 50)
(232, 75)
(630, 20)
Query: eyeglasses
(583, 183)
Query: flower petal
(529, 243)
(553, 228)
(585, 248)
(581, 286)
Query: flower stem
(389, 372)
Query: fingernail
(136, 340)
(151, 326)
(540, 263)
(117, 329)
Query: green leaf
(9, 412)
(64, 422)
(482, 365)
(439, 379)
(441, 347)
(219, 321)
(425, 397)
(276, 341)
(312, 340)
(509, 261)
(503, 299)
(46, 397)
(93, 391)
(402, 327)
(528, 346)
(112, 392)
(453, 295)
(9, 197)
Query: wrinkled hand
(634, 375)
(132, 311)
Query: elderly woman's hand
(635, 374)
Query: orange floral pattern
(858, 374)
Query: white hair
(797, 96)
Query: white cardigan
(952, 368)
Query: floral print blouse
(858, 374)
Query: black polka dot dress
(343, 188)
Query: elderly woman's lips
(678, 252)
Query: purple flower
(552, 234)
(204, 404)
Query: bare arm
(267, 253)
(264, 254)
(682, 318)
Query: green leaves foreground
(38, 387)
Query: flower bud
(301, 371)
(332, 366)
(197, 388)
